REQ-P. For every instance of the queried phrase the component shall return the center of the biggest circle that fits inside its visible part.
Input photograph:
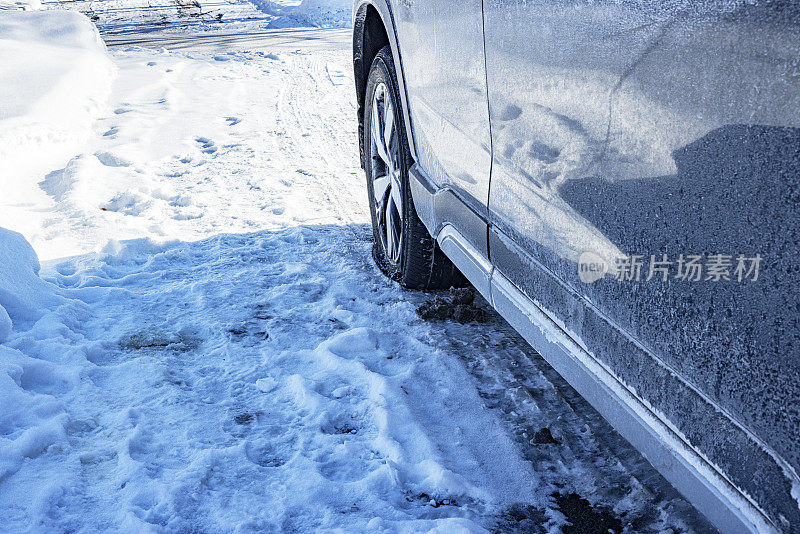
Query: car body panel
(654, 129)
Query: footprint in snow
(355, 343)
(177, 379)
(347, 463)
(233, 121)
(111, 160)
(98, 465)
(207, 146)
(152, 339)
(336, 389)
(272, 451)
(106, 357)
(244, 418)
(343, 423)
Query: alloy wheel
(386, 178)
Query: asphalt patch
(583, 518)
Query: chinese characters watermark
(684, 267)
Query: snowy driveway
(233, 361)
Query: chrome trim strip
(651, 434)
(684, 467)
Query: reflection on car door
(441, 44)
(659, 132)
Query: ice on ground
(210, 16)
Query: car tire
(403, 249)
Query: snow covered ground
(208, 346)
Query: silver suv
(620, 179)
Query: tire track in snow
(324, 132)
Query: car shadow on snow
(271, 292)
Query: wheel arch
(373, 28)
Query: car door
(551, 70)
(441, 48)
(658, 142)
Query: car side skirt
(686, 468)
(438, 206)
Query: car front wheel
(403, 248)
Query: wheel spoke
(377, 131)
(390, 233)
(379, 187)
(395, 228)
(388, 127)
(397, 194)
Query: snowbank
(56, 76)
(313, 13)
(30, 419)
(22, 293)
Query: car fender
(384, 10)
